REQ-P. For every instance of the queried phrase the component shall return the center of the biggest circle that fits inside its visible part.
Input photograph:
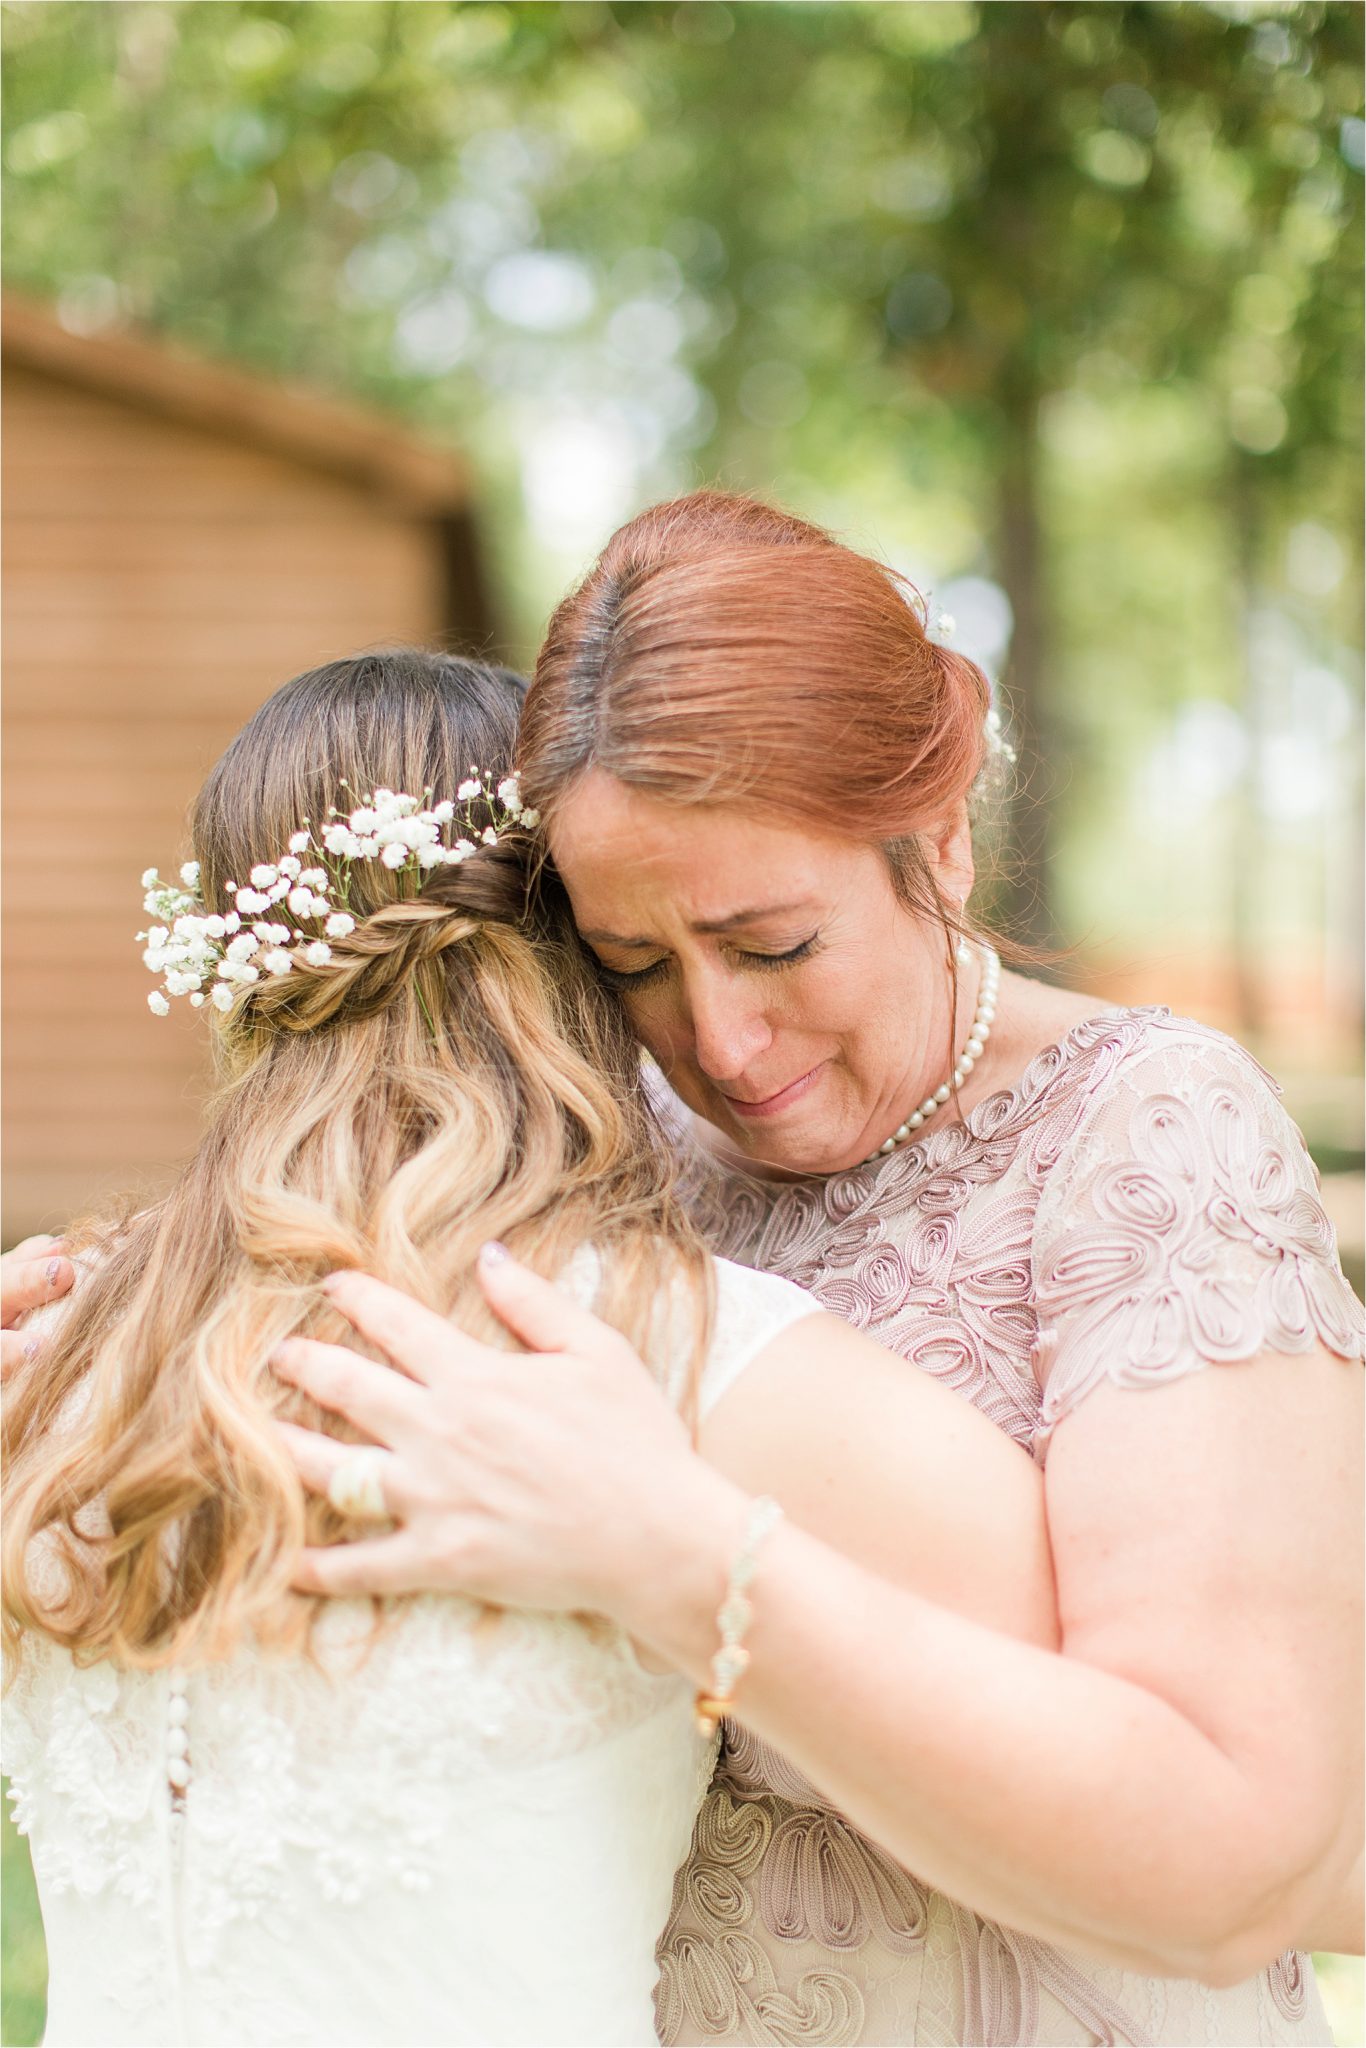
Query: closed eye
(765, 963)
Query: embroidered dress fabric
(463, 1829)
(1138, 1207)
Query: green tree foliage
(827, 243)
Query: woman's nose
(729, 1029)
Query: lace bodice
(460, 1829)
(1137, 1207)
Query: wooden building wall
(160, 579)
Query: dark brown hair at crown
(721, 650)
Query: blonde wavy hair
(454, 1073)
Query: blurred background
(328, 324)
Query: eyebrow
(709, 926)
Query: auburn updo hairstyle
(453, 1073)
(721, 650)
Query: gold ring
(356, 1487)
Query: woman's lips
(784, 1099)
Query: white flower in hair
(189, 946)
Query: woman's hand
(490, 1455)
(33, 1273)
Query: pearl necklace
(967, 1058)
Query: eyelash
(765, 963)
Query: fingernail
(31, 1349)
(493, 1253)
(54, 1272)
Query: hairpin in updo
(209, 955)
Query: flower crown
(209, 956)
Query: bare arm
(1167, 1794)
(1180, 1791)
(893, 1470)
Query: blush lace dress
(462, 1830)
(1140, 1206)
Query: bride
(257, 1817)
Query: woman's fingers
(380, 1564)
(376, 1400)
(16, 1350)
(537, 1312)
(30, 1275)
(419, 1341)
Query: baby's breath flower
(157, 1004)
(190, 947)
(531, 819)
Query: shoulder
(1179, 1225)
(752, 1309)
(1186, 1097)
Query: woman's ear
(948, 852)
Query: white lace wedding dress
(463, 1829)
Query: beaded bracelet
(731, 1661)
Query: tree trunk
(1027, 894)
(1245, 898)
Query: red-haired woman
(1097, 1225)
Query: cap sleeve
(751, 1310)
(1181, 1228)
